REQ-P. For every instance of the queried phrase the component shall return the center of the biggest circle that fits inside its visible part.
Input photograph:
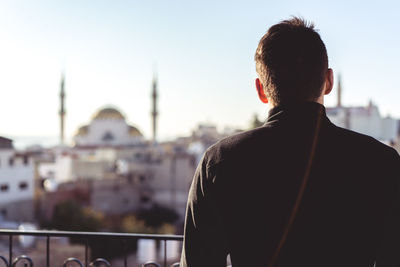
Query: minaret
(62, 109)
(339, 92)
(154, 112)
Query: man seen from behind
(298, 191)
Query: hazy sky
(203, 53)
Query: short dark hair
(291, 61)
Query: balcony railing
(24, 260)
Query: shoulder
(234, 145)
(359, 138)
(362, 144)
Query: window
(3, 212)
(116, 188)
(108, 137)
(4, 187)
(142, 178)
(144, 198)
(26, 160)
(130, 178)
(23, 185)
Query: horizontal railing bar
(90, 234)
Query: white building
(108, 128)
(16, 183)
(366, 120)
(72, 167)
(78, 163)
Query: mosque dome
(108, 113)
(108, 128)
(82, 130)
(133, 131)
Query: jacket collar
(302, 110)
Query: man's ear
(261, 92)
(328, 81)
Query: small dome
(82, 130)
(133, 131)
(108, 113)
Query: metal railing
(86, 236)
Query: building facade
(366, 120)
(108, 127)
(16, 183)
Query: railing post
(165, 252)
(125, 248)
(86, 252)
(48, 251)
(10, 243)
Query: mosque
(119, 169)
(108, 126)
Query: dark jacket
(245, 188)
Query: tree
(70, 216)
(256, 122)
(158, 215)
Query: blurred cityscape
(111, 179)
(115, 179)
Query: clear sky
(202, 52)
